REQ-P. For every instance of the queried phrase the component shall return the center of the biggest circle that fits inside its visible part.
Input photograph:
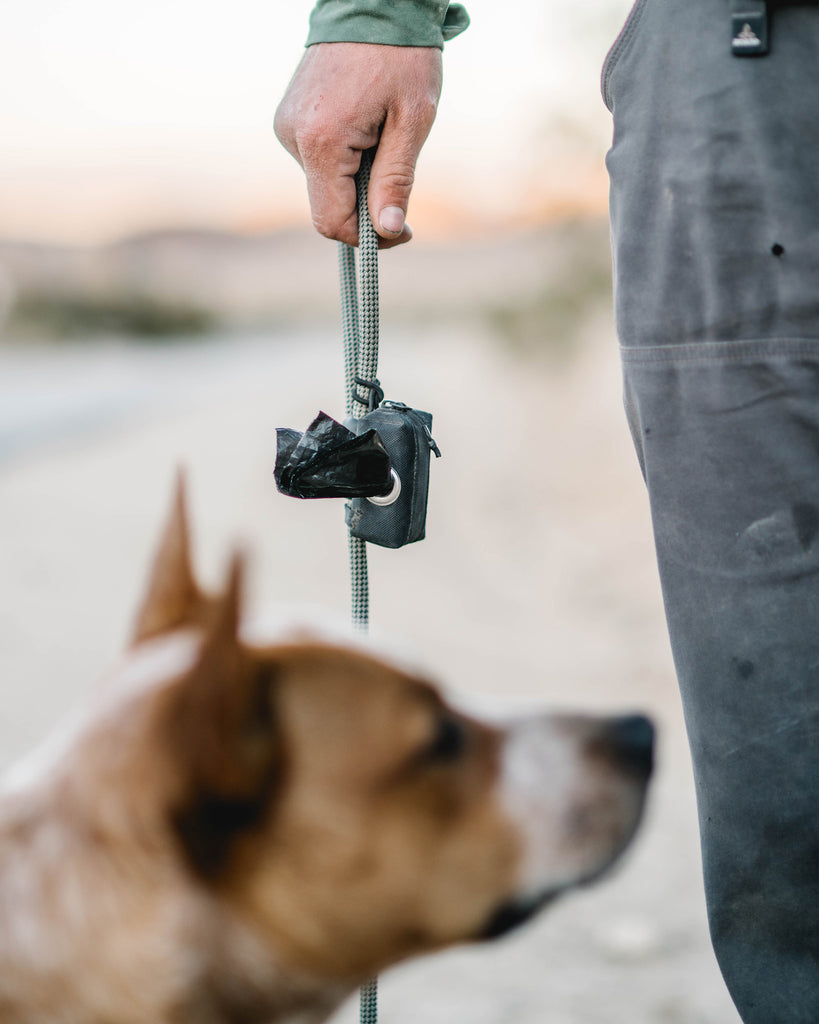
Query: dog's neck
(241, 986)
(177, 955)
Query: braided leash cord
(360, 331)
(349, 321)
(369, 1002)
(368, 304)
(360, 320)
(360, 591)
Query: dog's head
(341, 808)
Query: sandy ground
(536, 581)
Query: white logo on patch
(747, 37)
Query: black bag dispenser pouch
(398, 517)
(380, 461)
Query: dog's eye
(449, 742)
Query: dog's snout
(629, 741)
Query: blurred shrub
(549, 319)
(49, 315)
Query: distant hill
(292, 275)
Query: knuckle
(325, 223)
(321, 143)
(281, 124)
(424, 113)
(284, 128)
(308, 141)
(397, 179)
(335, 228)
(397, 185)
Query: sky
(118, 116)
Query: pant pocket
(622, 43)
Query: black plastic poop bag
(330, 461)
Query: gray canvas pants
(715, 232)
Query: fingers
(348, 97)
(331, 190)
(393, 172)
(309, 125)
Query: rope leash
(360, 334)
(378, 459)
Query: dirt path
(536, 581)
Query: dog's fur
(245, 833)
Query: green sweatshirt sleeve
(394, 22)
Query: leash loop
(376, 393)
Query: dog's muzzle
(627, 744)
(513, 914)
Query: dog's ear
(224, 739)
(172, 596)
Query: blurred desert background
(164, 301)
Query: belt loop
(749, 28)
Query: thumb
(391, 180)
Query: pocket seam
(721, 351)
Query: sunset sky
(118, 116)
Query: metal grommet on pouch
(388, 499)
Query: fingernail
(392, 220)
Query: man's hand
(348, 97)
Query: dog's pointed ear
(224, 738)
(172, 595)
(227, 710)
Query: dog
(243, 833)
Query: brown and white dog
(245, 833)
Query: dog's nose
(630, 742)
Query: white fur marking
(538, 770)
(284, 624)
(150, 664)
